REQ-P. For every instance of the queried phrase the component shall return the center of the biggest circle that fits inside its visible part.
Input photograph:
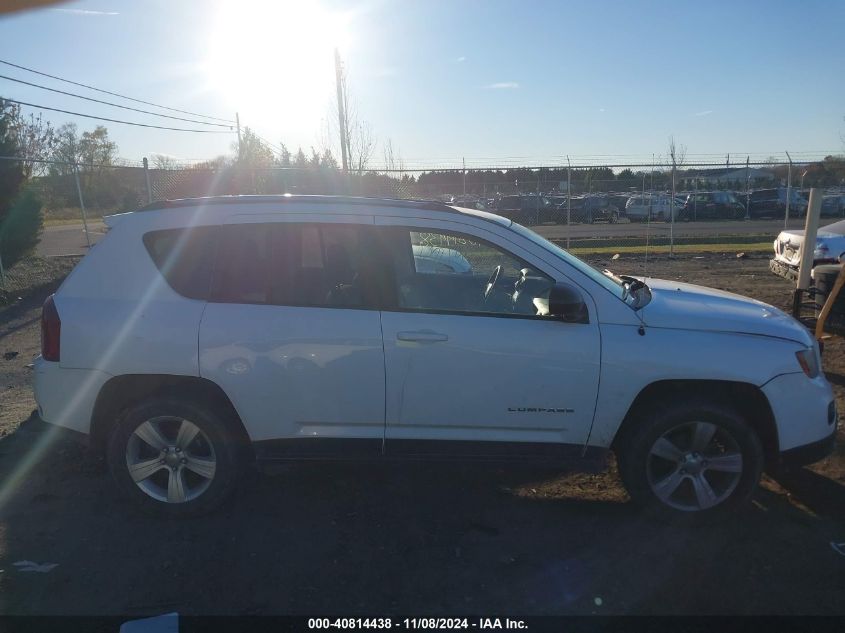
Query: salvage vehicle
(712, 205)
(652, 207)
(527, 209)
(202, 335)
(771, 203)
(833, 206)
(589, 209)
(829, 249)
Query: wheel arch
(748, 400)
(121, 392)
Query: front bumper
(783, 270)
(809, 453)
(803, 408)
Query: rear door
(292, 333)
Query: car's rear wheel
(694, 458)
(174, 457)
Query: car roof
(378, 206)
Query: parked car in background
(525, 209)
(654, 206)
(439, 259)
(833, 206)
(712, 205)
(200, 336)
(469, 202)
(619, 200)
(592, 208)
(771, 203)
(829, 248)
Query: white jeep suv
(202, 334)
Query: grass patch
(70, 215)
(58, 222)
(758, 247)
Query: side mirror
(567, 304)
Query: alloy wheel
(694, 466)
(170, 459)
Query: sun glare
(273, 61)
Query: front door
(468, 356)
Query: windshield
(608, 283)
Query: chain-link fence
(631, 211)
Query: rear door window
(309, 265)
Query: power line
(114, 94)
(116, 105)
(261, 138)
(100, 118)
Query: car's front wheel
(174, 457)
(690, 457)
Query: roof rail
(429, 205)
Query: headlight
(809, 361)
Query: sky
(492, 82)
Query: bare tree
(392, 157)
(678, 153)
(163, 161)
(35, 137)
(357, 134)
(361, 147)
(67, 150)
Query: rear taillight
(51, 330)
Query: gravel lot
(413, 539)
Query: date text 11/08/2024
(417, 623)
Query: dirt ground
(411, 539)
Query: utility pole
(147, 178)
(81, 203)
(568, 198)
(341, 111)
(747, 187)
(238, 124)
(672, 204)
(788, 189)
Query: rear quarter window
(185, 258)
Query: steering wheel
(491, 283)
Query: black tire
(634, 448)
(228, 455)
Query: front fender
(631, 362)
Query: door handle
(423, 336)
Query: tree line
(51, 159)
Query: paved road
(70, 239)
